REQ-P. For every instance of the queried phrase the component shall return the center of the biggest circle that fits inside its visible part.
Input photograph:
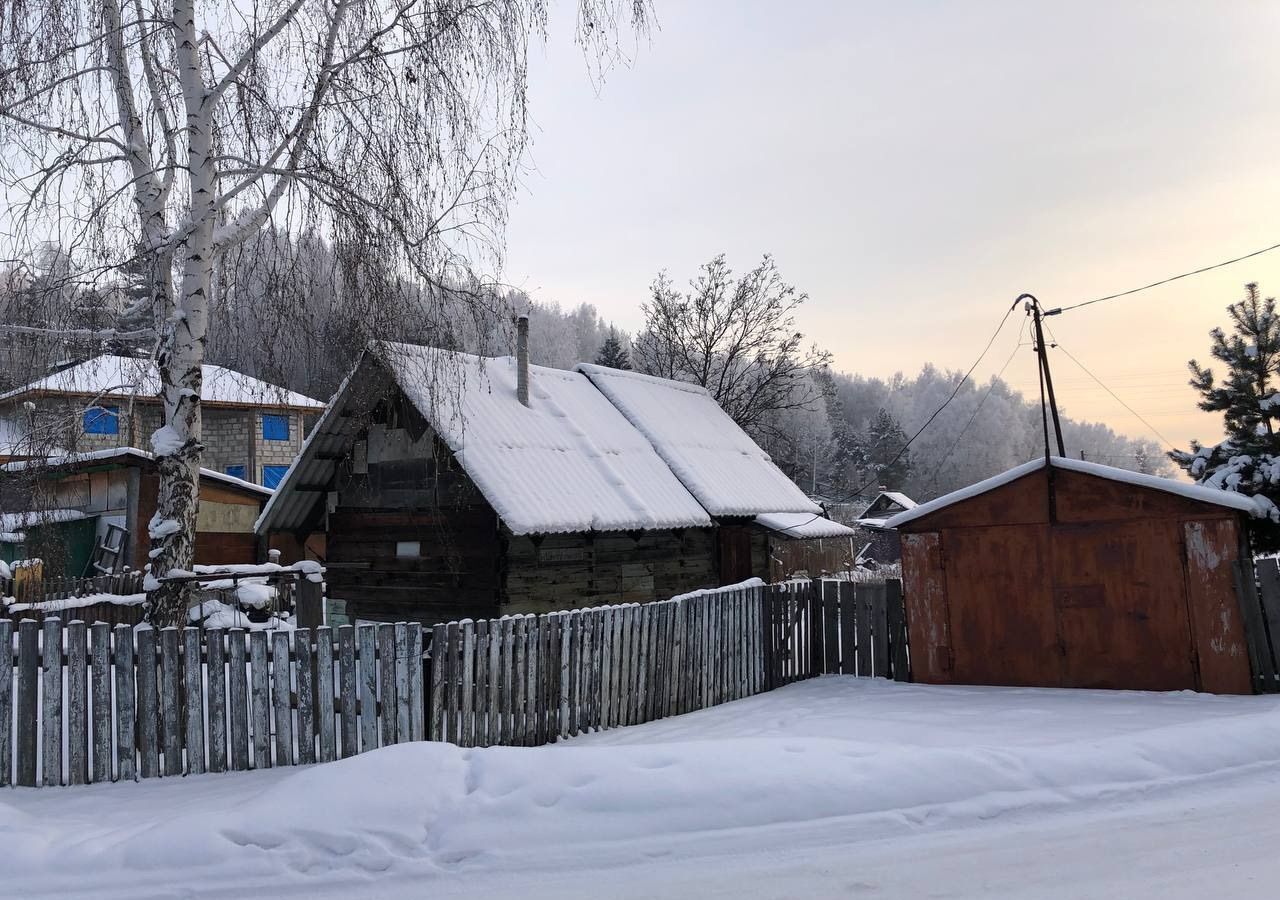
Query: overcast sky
(915, 166)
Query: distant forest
(283, 314)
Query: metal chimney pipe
(522, 359)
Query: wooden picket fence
(94, 704)
(529, 680)
(833, 627)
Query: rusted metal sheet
(924, 586)
(1103, 596)
(1217, 627)
(1002, 619)
(1120, 606)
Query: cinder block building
(252, 429)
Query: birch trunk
(180, 355)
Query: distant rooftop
(112, 377)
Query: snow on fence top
(127, 376)
(713, 457)
(1257, 507)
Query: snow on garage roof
(803, 526)
(127, 376)
(710, 454)
(1169, 486)
(569, 462)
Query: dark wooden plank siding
(569, 571)
(455, 576)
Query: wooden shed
(1074, 574)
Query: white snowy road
(1213, 840)
(831, 788)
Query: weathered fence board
(217, 700)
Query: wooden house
(453, 486)
(1065, 573)
(83, 496)
(879, 543)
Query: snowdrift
(894, 755)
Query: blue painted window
(271, 475)
(275, 428)
(102, 420)
(235, 471)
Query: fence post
(28, 693)
(897, 618)
(6, 703)
(310, 602)
(77, 703)
(100, 663)
(51, 697)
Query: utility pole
(1034, 310)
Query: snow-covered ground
(833, 787)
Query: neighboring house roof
(1189, 491)
(804, 526)
(710, 454)
(901, 499)
(570, 462)
(126, 376)
(124, 454)
(886, 505)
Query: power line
(959, 384)
(933, 479)
(1056, 343)
(1153, 284)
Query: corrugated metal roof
(569, 462)
(711, 455)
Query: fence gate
(835, 627)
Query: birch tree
(165, 133)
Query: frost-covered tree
(734, 336)
(1248, 396)
(612, 353)
(880, 455)
(185, 127)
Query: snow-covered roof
(569, 462)
(803, 526)
(127, 376)
(71, 459)
(710, 454)
(901, 499)
(1189, 491)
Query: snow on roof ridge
(594, 369)
(1111, 473)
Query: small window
(275, 428)
(235, 471)
(409, 549)
(271, 475)
(102, 420)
